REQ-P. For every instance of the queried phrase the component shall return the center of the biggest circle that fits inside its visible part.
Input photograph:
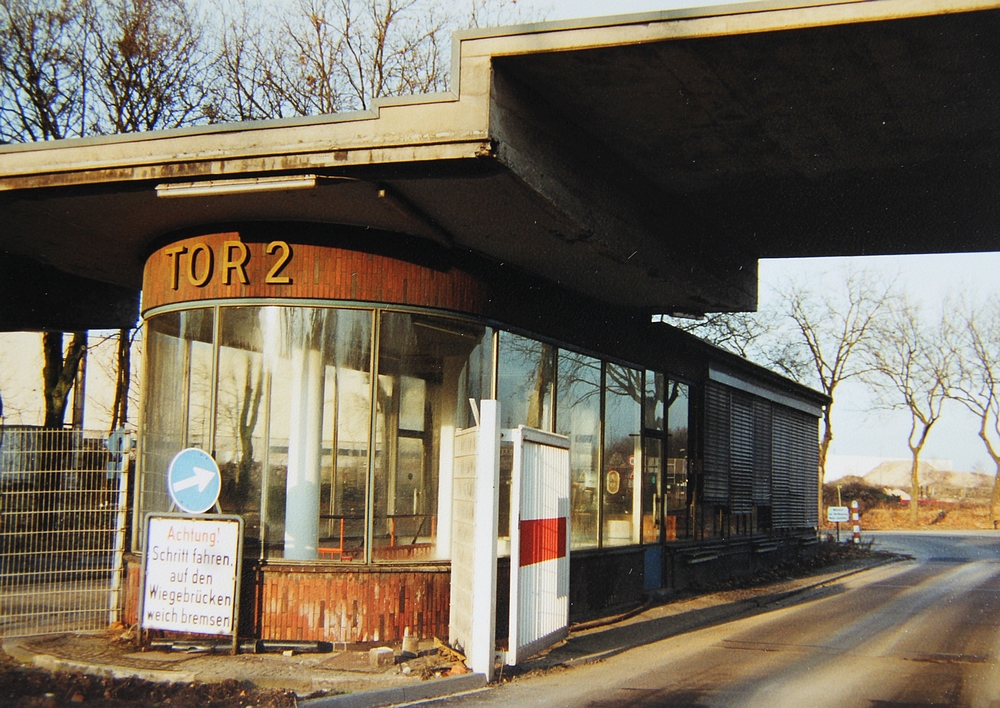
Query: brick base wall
(334, 604)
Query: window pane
(177, 383)
(650, 479)
(578, 411)
(653, 401)
(240, 418)
(318, 362)
(429, 367)
(524, 382)
(622, 455)
(524, 390)
(676, 473)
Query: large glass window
(525, 385)
(429, 368)
(318, 364)
(326, 461)
(578, 417)
(676, 472)
(178, 376)
(622, 508)
(525, 382)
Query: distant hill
(934, 483)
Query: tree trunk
(59, 373)
(995, 499)
(123, 379)
(914, 487)
(824, 448)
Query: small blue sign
(193, 481)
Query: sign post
(193, 561)
(838, 514)
(191, 574)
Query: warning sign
(191, 574)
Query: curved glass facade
(334, 426)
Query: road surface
(922, 632)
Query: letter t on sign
(174, 254)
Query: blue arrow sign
(193, 481)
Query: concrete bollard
(411, 645)
(381, 657)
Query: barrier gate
(539, 542)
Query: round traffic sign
(193, 481)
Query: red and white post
(856, 520)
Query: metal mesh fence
(62, 531)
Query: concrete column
(448, 398)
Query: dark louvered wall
(762, 452)
(715, 488)
(741, 453)
(758, 453)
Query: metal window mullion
(214, 377)
(372, 426)
(140, 440)
(265, 470)
(600, 456)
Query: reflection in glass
(652, 417)
(178, 374)
(429, 368)
(578, 406)
(319, 363)
(524, 390)
(239, 427)
(676, 472)
(622, 510)
(524, 382)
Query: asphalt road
(923, 632)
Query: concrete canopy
(645, 162)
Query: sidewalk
(349, 675)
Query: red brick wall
(351, 605)
(312, 271)
(337, 604)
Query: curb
(53, 663)
(400, 694)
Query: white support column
(482, 646)
(305, 438)
(446, 456)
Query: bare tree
(44, 68)
(975, 338)
(743, 333)
(59, 373)
(151, 69)
(912, 368)
(250, 66)
(327, 56)
(829, 336)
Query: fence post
(123, 442)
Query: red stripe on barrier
(542, 540)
